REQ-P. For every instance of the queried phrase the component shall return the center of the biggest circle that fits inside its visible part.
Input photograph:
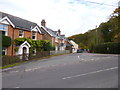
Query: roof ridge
(17, 17)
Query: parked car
(79, 51)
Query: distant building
(74, 46)
(59, 41)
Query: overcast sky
(70, 16)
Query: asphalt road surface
(79, 70)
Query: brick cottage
(16, 27)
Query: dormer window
(34, 34)
(21, 33)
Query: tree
(6, 41)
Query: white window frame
(5, 50)
(35, 34)
(4, 30)
(34, 50)
(21, 33)
(56, 39)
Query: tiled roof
(54, 33)
(19, 22)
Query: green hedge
(110, 48)
(6, 41)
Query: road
(79, 70)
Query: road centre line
(90, 73)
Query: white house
(74, 47)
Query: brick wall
(39, 36)
(27, 34)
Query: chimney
(43, 23)
(59, 31)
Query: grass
(15, 64)
(11, 65)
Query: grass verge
(11, 65)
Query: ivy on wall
(40, 45)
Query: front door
(24, 50)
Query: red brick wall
(39, 36)
(11, 48)
(27, 34)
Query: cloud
(71, 16)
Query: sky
(70, 16)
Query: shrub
(110, 47)
(53, 47)
(6, 41)
(9, 60)
(40, 45)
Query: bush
(53, 47)
(6, 60)
(6, 41)
(40, 45)
(110, 47)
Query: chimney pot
(43, 23)
(59, 31)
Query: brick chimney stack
(43, 23)
(59, 31)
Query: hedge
(110, 48)
(6, 60)
(6, 41)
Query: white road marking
(90, 73)
(92, 59)
(82, 59)
(16, 87)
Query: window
(34, 50)
(57, 34)
(3, 51)
(3, 33)
(34, 35)
(56, 39)
(21, 33)
(61, 44)
(3, 27)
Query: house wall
(39, 36)
(27, 34)
(11, 49)
(47, 36)
(13, 31)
